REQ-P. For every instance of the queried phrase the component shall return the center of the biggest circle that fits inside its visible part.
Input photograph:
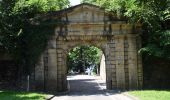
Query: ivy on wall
(22, 34)
(33, 43)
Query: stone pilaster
(51, 79)
(39, 74)
(113, 63)
(108, 66)
(126, 63)
(61, 66)
(140, 68)
(120, 71)
(51, 82)
(132, 61)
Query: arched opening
(86, 69)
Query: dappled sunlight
(88, 88)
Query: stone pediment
(88, 19)
(84, 13)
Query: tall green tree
(154, 16)
(82, 57)
(23, 40)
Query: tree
(154, 15)
(116, 6)
(155, 25)
(82, 57)
(23, 44)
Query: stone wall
(123, 65)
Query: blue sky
(74, 2)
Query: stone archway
(118, 40)
(68, 45)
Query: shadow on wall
(156, 73)
(8, 74)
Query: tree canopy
(20, 38)
(154, 15)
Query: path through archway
(86, 69)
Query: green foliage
(116, 6)
(154, 15)
(82, 57)
(156, 28)
(32, 44)
(159, 45)
(89, 1)
(22, 39)
(43, 5)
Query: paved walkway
(84, 87)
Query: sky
(74, 2)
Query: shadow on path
(86, 85)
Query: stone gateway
(87, 24)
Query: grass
(151, 94)
(12, 95)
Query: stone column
(140, 68)
(51, 82)
(108, 67)
(61, 66)
(126, 46)
(39, 75)
(132, 61)
(112, 58)
(120, 72)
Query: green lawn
(11, 95)
(151, 94)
